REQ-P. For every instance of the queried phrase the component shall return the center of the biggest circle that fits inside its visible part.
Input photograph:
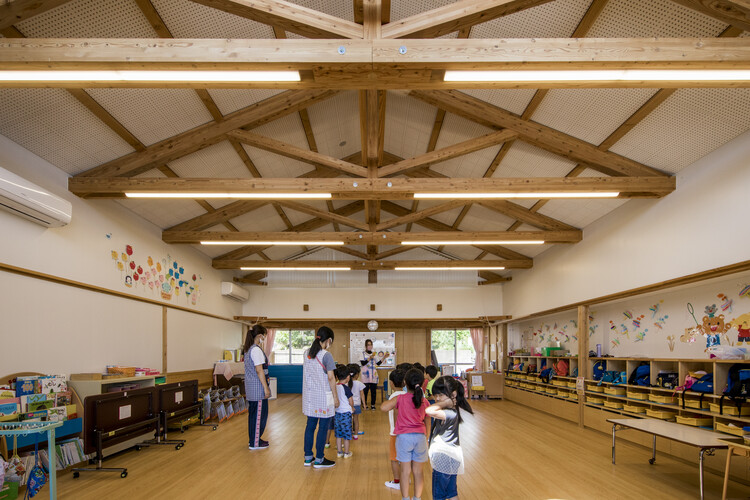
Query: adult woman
(257, 391)
(370, 361)
(319, 398)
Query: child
(357, 388)
(412, 428)
(333, 420)
(397, 379)
(445, 449)
(430, 372)
(343, 419)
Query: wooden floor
(512, 452)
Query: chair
(385, 392)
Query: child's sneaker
(339, 454)
(348, 455)
(361, 432)
(308, 462)
(355, 437)
(325, 464)
(392, 484)
(328, 445)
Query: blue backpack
(641, 375)
(546, 375)
(599, 368)
(738, 387)
(613, 377)
(704, 385)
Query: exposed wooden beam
(373, 64)
(523, 214)
(539, 135)
(444, 154)
(205, 135)
(494, 281)
(359, 14)
(436, 128)
(734, 12)
(394, 251)
(291, 17)
(290, 151)
(372, 189)
(371, 19)
(329, 216)
(19, 10)
(367, 265)
(454, 17)
(428, 212)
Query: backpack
(561, 368)
(704, 385)
(599, 368)
(546, 375)
(641, 375)
(531, 369)
(613, 377)
(667, 380)
(738, 387)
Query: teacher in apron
(319, 398)
(370, 361)
(257, 391)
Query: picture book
(9, 409)
(7, 393)
(63, 398)
(72, 411)
(52, 384)
(26, 385)
(34, 416)
(41, 405)
(57, 414)
(31, 398)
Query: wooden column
(583, 354)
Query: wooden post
(583, 355)
(502, 348)
(164, 340)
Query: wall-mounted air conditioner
(20, 197)
(229, 289)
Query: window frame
(455, 362)
(289, 345)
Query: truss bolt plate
(342, 50)
(402, 49)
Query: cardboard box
(86, 376)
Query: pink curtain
(477, 338)
(268, 346)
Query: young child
(333, 420)
(397, 379)
(357, 388)
(430, 372)
(342, 421)
(445, 449)
(412, 428)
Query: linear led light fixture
(295, 269)
(268, 243)
(474, 268)
(479, 196)
(478, 242)
(623, 75)
(259, 196)
(148, 76)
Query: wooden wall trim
(107, 291)
(654, 287)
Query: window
(453, 348)
(289, 346)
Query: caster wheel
(182, 431)
(137, 448)
(651, 461)
(124, 474)
(76, 475)
(215, 427)
(182, 444)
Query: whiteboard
(383, 343)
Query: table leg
(726, 474)
(614, 429)
(653, 453)
(700, 461)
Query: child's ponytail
(414, 379)
(324, 333)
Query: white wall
(702, 225)
(78, 330)
(389, 302)
(194, 341)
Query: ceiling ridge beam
(291, 17)
(454, 17)
(370, 265)
(19, 10)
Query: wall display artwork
(161, 278)
(683, 323)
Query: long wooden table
(707, 441)
(735, 446)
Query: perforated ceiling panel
(687, 126)
(153, 115)
(556, 19)
(408, 123)
(335, 125)
(578, 112)
(264, 218)
(230, 100)
(652, 18)
(55, 126)
(406, 8)
(446, 217)
(342, 10)
(580, 212)
(525, 160)
(187, 19)
(163, 213)
(287, 129)
(213, 251)
(219, 160)
(89, 19)
(479, 218)
(514, 100)
(457, 129)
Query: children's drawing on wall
(165, 279)
(745, 292)
(713, 327)
(742, 324)
(592, 326)
(670, 342)
(655, 308)
(726, 303)
(637, 322)
(615, 343)
(661, 321)
(641, 336)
